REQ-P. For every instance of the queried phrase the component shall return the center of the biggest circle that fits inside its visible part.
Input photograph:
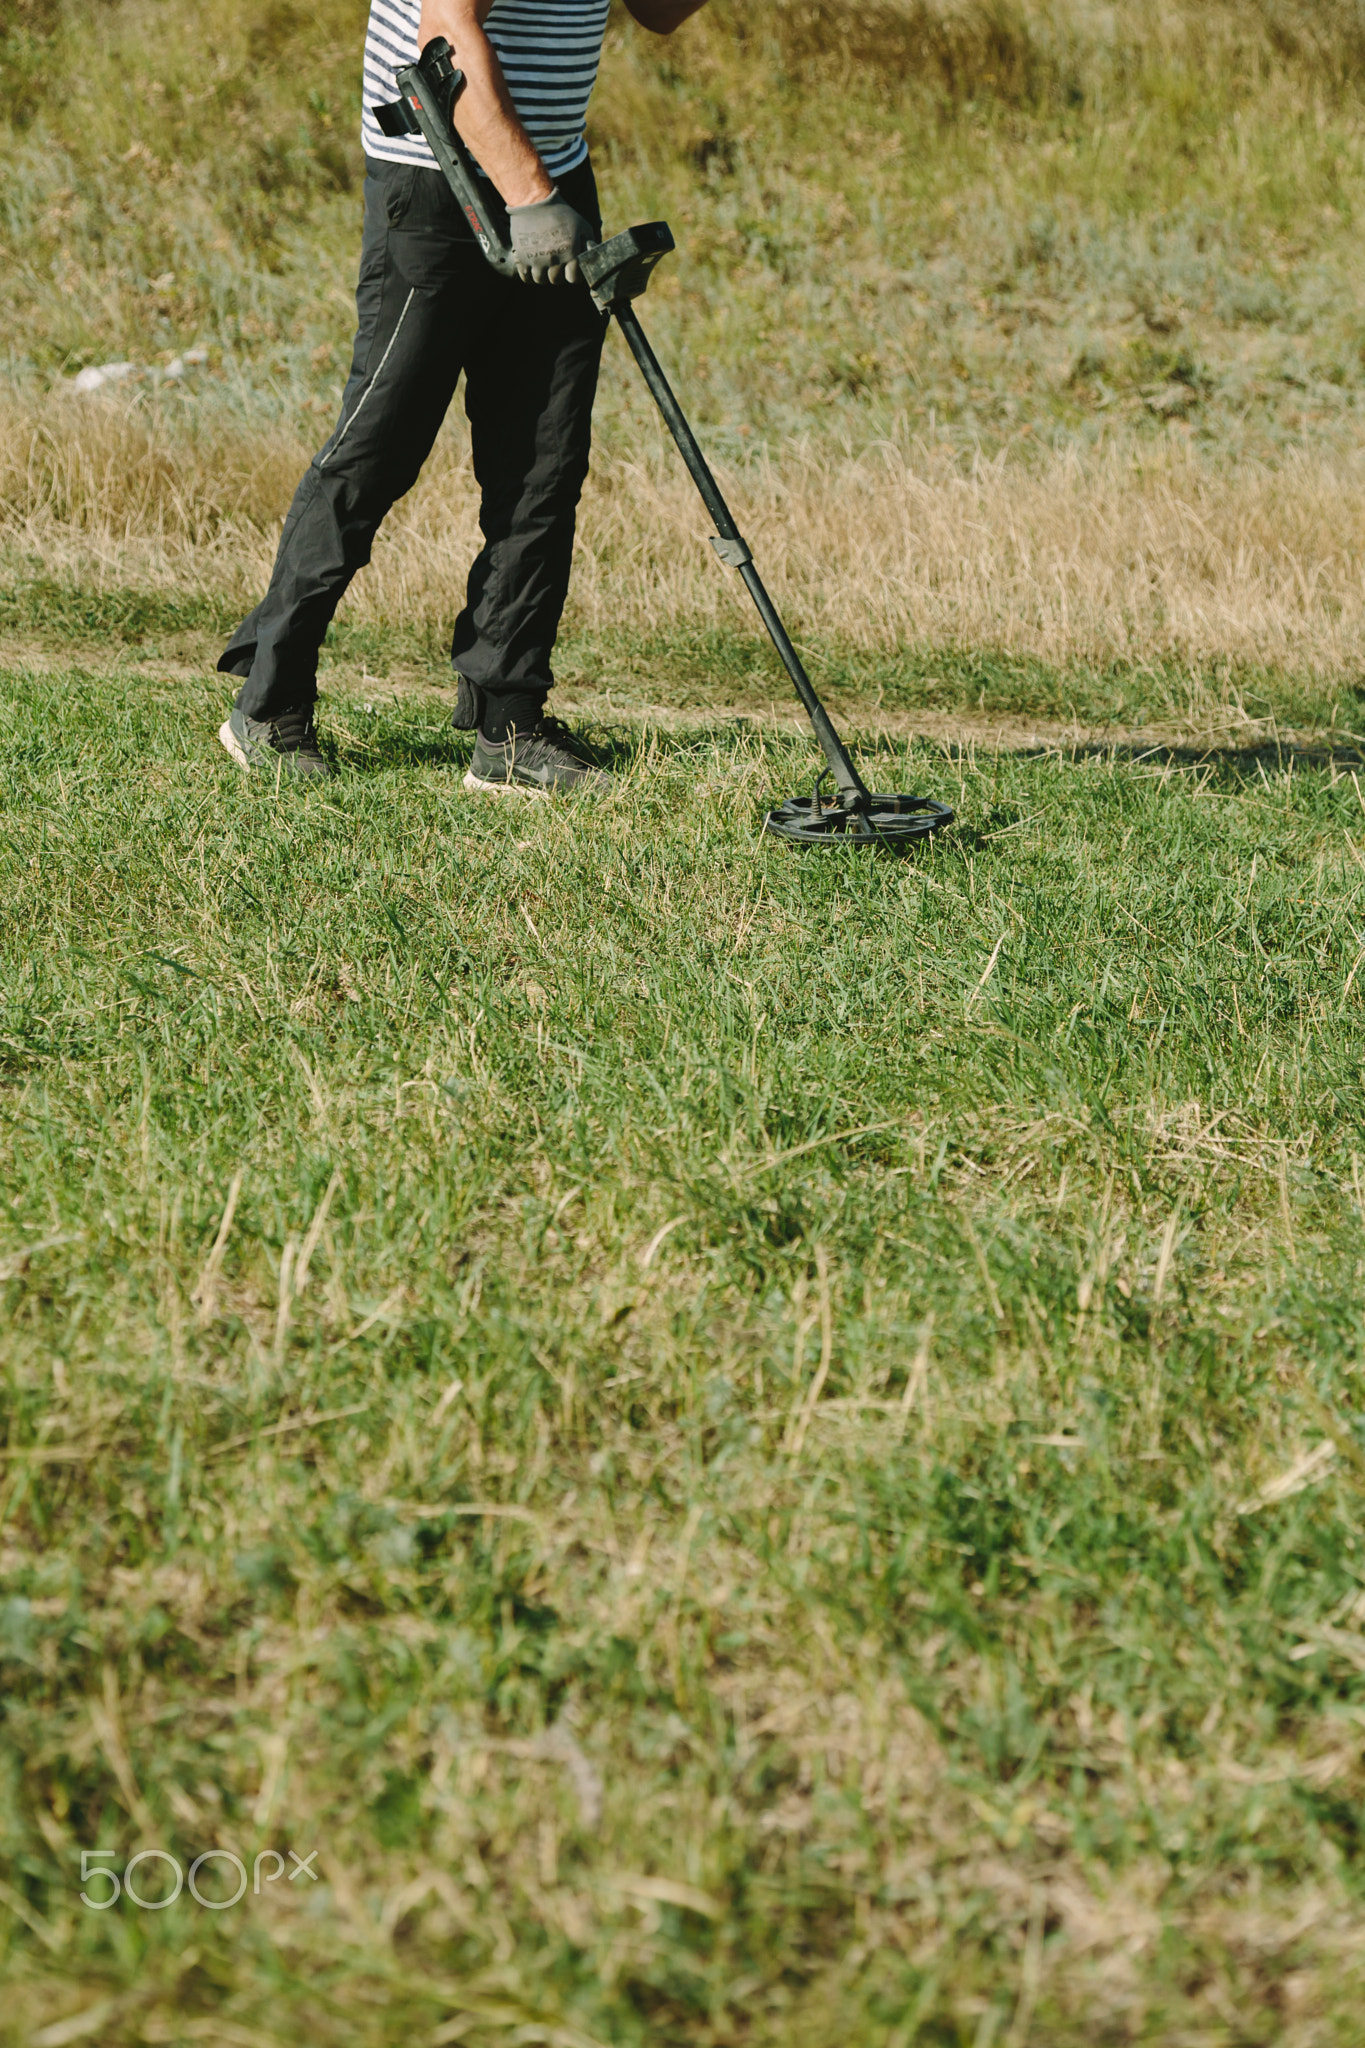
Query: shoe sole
(234, 745)
(476, 785)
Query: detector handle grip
(430, 88)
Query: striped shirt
(549, 51)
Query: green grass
(813, 1337)
(755, 1449)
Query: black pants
(429, 307)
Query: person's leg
(418, 275)
(530, 379)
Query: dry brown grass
(984, 259)
(1124, 552)
(1094, 557)
(1030, 51)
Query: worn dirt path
(1227, 733)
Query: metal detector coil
(616, 272)
(885, 820)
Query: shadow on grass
(1230, 764)
(391, 745)
(1226, 764)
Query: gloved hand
(547, 239)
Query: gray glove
(547, 239)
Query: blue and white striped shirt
(549, 51)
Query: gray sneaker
(288, 743)
(545, 760)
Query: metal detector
(617, 272)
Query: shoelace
(294, 732)
(559, 735)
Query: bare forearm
(484, 113)
(661, 17)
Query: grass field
(752, 1449)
